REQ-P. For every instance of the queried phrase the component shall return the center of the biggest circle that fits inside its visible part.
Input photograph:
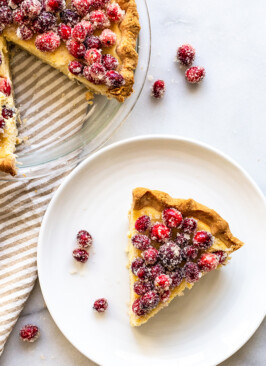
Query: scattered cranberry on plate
(100, 305)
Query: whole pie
(91, 41)
(172, 244)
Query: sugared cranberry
(195, 74)
(5, 86)
(158, 89)
(84, 239)
(186, 54)
(162, 283)
(31, 8)
(208, 262)
(143, 273)
(203, 240)
(221, 255)
(75, 67)
(150, 255)
(141, 287)
(2, 125)
(96, 4)
(170, 255)
(3, 2)
(54, 6)
(93, 55)
(160, 233)
(79, 33)
(110, 63)
(7, 113)
(75, 48)
(83, 7)
(95, 73)
(191, 272)
(189, 225)
(155, 271)
(88, 27)
(176, 277)
(29, 333)
(165, 295)
(141, 242)
(99, 19)
(114, 12)
(47, 42)
(100, 305)
(24, 32)
(150, 300)
(44, 23)
(113, 79)
(92, 42)
(108, 38)
(69, 17)
(143, 222)
(81, 255)
(19, 18)
(5, 15)
(190, 252)
(64, 31)
(182, 239)
(172, 218)
(136, 264)
(137, 307)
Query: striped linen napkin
(50, 104)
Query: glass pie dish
(59, 127)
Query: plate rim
(113, 146)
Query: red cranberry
(44, 23)
(137, 307)
(189, 225)
(96, 4)
(208, 262)
(2, 125)
(29, 333)
(141, 287)
(186, 54)
(114, 79)
(7, 113)
(114, 12)
(54, 6)
(150, 300)
(143, 273)
(5, 15)
(75, 67)
(203, 240)
(141, 242)
(75, 48)
(31, 8)
(191, 272)
(84, 239)
(108, 38)
(95, 73)
(3, 3)
(64, 31)
(93, 42)
(5, 86)
(160, 233)
(109, 62)
(69, 17)
(100, 305)
(150, 255)
(143, 222)
(221, 255)
(190, 252)
(136, 264)
(79, 33)
(162, 283)
(81, 255)
(170, 255)
(156, 270)
(88, 27)
(182, 239)
(158, 89)
(195, 74)
(172, 218)
(93, 55)
(83, 7)
(99, 19)
(47, 42)
(165, 295)
(176, 277)
(19, 18)
(24, 32)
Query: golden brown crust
(8, 165)
(159, 200)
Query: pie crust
(152, 203)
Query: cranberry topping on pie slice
(172, 244)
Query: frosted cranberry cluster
(172, 250)
(53, 24)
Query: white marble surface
(227, 111)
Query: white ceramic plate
(205, 326)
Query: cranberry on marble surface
(29, 333)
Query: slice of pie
(172, 244)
